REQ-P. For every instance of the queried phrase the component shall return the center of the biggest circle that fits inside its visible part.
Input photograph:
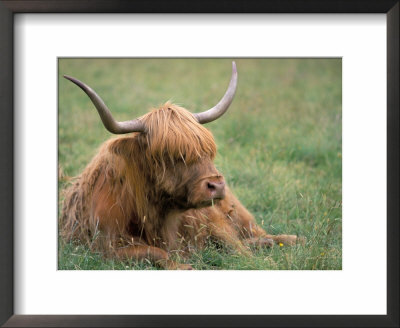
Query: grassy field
(279, 146)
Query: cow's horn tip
(68, 77)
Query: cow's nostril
(211, 186)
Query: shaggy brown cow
(157, 189)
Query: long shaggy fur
(173, 133)
(131, 168)
(148, 190)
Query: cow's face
(194, 185)
(180, 152)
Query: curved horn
(219, 109)
(110, 124)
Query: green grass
(279, 146)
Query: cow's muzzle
(216, 189)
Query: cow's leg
(262, 239)
(154, 254)
(252, 233)
(259, 242)
(289, 240)
(223, 231)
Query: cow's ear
(125, 147)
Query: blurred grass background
(279, 145)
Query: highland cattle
(155, 190)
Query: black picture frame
(7, 11)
